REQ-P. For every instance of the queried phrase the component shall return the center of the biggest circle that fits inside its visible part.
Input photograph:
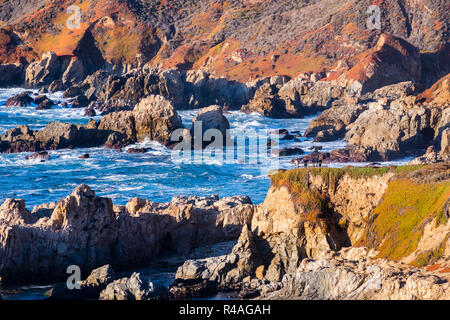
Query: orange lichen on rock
(438, 93)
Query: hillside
(238, 39)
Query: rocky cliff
(89, 231)
(352, 233)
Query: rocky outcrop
(154, 118)
(11, 74)
(184, 89)
(210, 125)
(332, 123)
(90, 288)
(295, 245)
(137, 287)
(43, 103)
(19, 100)
(353, 274)
(74, 72)
(44, 71)
(89, 231)
(387, 131)
(295, 98)
(392, 60)
(121, 126)
(203, 89)
(266, 102)
(386, 124)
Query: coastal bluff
(350, 233)
(365, 230)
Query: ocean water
(154, 175)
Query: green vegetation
(333, 175)
(416, 196)
(396, 225)
(431, 256)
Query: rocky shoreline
(321, 233)
(381, 118)
(316, 236)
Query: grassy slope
(397, 224)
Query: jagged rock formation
(137, 287)
(154, 118)
(354, 275)
(289, 248)
(386, 124)
(185, 89)
(89, 231)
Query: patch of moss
(408, 168)
(431, 256)
(331, 176)
(313, 205)
(396, 225)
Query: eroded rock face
(280, 236)
(202, 90)
(88, 231)
(74, 72)
(291, 251)
(332, 123)
(137, 287)
(156, 119)
(386, 131)
(266, 102)
(353, 274)
(391, 56)
(44, 71)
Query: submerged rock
(43, 103)
(88, 289)
(138, 150)
(19, 100)
(41, 155)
